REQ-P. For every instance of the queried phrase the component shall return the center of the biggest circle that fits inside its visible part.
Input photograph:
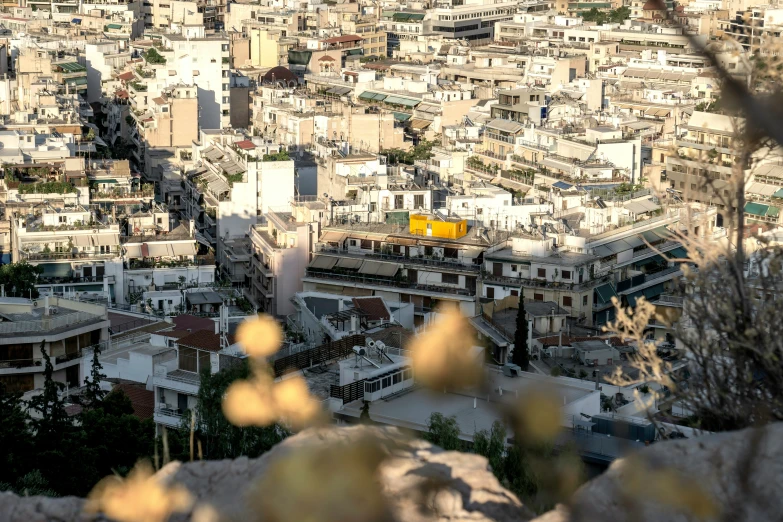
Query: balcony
(46, 324)
(499, 137)
(418, 261)
(67, 256)
(165, 376)
(542, 283)
(171, 417)
(646, 280)
(199, 260)
(385, 283)
(60, 360)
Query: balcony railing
(134, 264)
(396, 283)
(399, 258)
(44, 325)
(543, 283)
(61, 256)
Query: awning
(562, 185)
(202, 298)
(756, 209)
(332, 237)
(379, 268)
(157, 250)
(398, 100)
(107, 239)
(338, 91)
(401, 116)
(82, 241)
(133, 251)
(114, 26)
(418, 124)
(605, 293)
(76, 21)
(105, 181)
(183, 249)
(323, 262)
(677, 253)
(349, 263)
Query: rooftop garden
(47, 187)
(279, 156)
(154, 57)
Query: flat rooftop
(413, 409)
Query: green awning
(114, 26)
(401, 116)
(76, 81)
(677, 253)
(367, 96)
(398, 100)
(71, 67)
(107, 181)
(653, 291)
(756, 209)
(778, 194)
(656, 234)
(649, 261)
(605, 293)
(353, 52)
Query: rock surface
(737, 474)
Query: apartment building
(468, 21)
(65, 329)
(280, 254)
(237, 181)
(171, 119)
(431, 261)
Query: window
(513, 268)
(567, 300)
(584, 300)
(542, 272)
(418, 201)
(515, 293)
(566, 274)
(538, 297)
(451, 279)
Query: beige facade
(173, 121)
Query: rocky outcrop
(733, 476)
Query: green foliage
(492, 445)
(364, 416)
(93, 394)
(20, 279)
(30, 484)
(556, 371)
(154, 57)
(15, 439)
(600, 17)
(422, 151)
(278, 156)
(219, 438)
(47, 187)
(520, 356)
(444, 432)
(235, 178)
(117, 439)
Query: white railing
(51, 322)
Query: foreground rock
(733, 476)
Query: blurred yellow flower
(538, 416)
(444, 355)
(260, 337)
(137, 498)
(260, 402)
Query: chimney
(46, 305)
(354, 323)
(217, 327)
(192, 228)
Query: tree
(93, 394)
(364, 416)
(154, 57)
(15, 438)
(444, 432)
(520, 356)
(66, 462)
(116, 436)
(492, 445)
(19, 279)
(219, 438)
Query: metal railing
(43, 325)
(46, 256)
(400, 258)
(361, 278)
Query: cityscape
(393, 260)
